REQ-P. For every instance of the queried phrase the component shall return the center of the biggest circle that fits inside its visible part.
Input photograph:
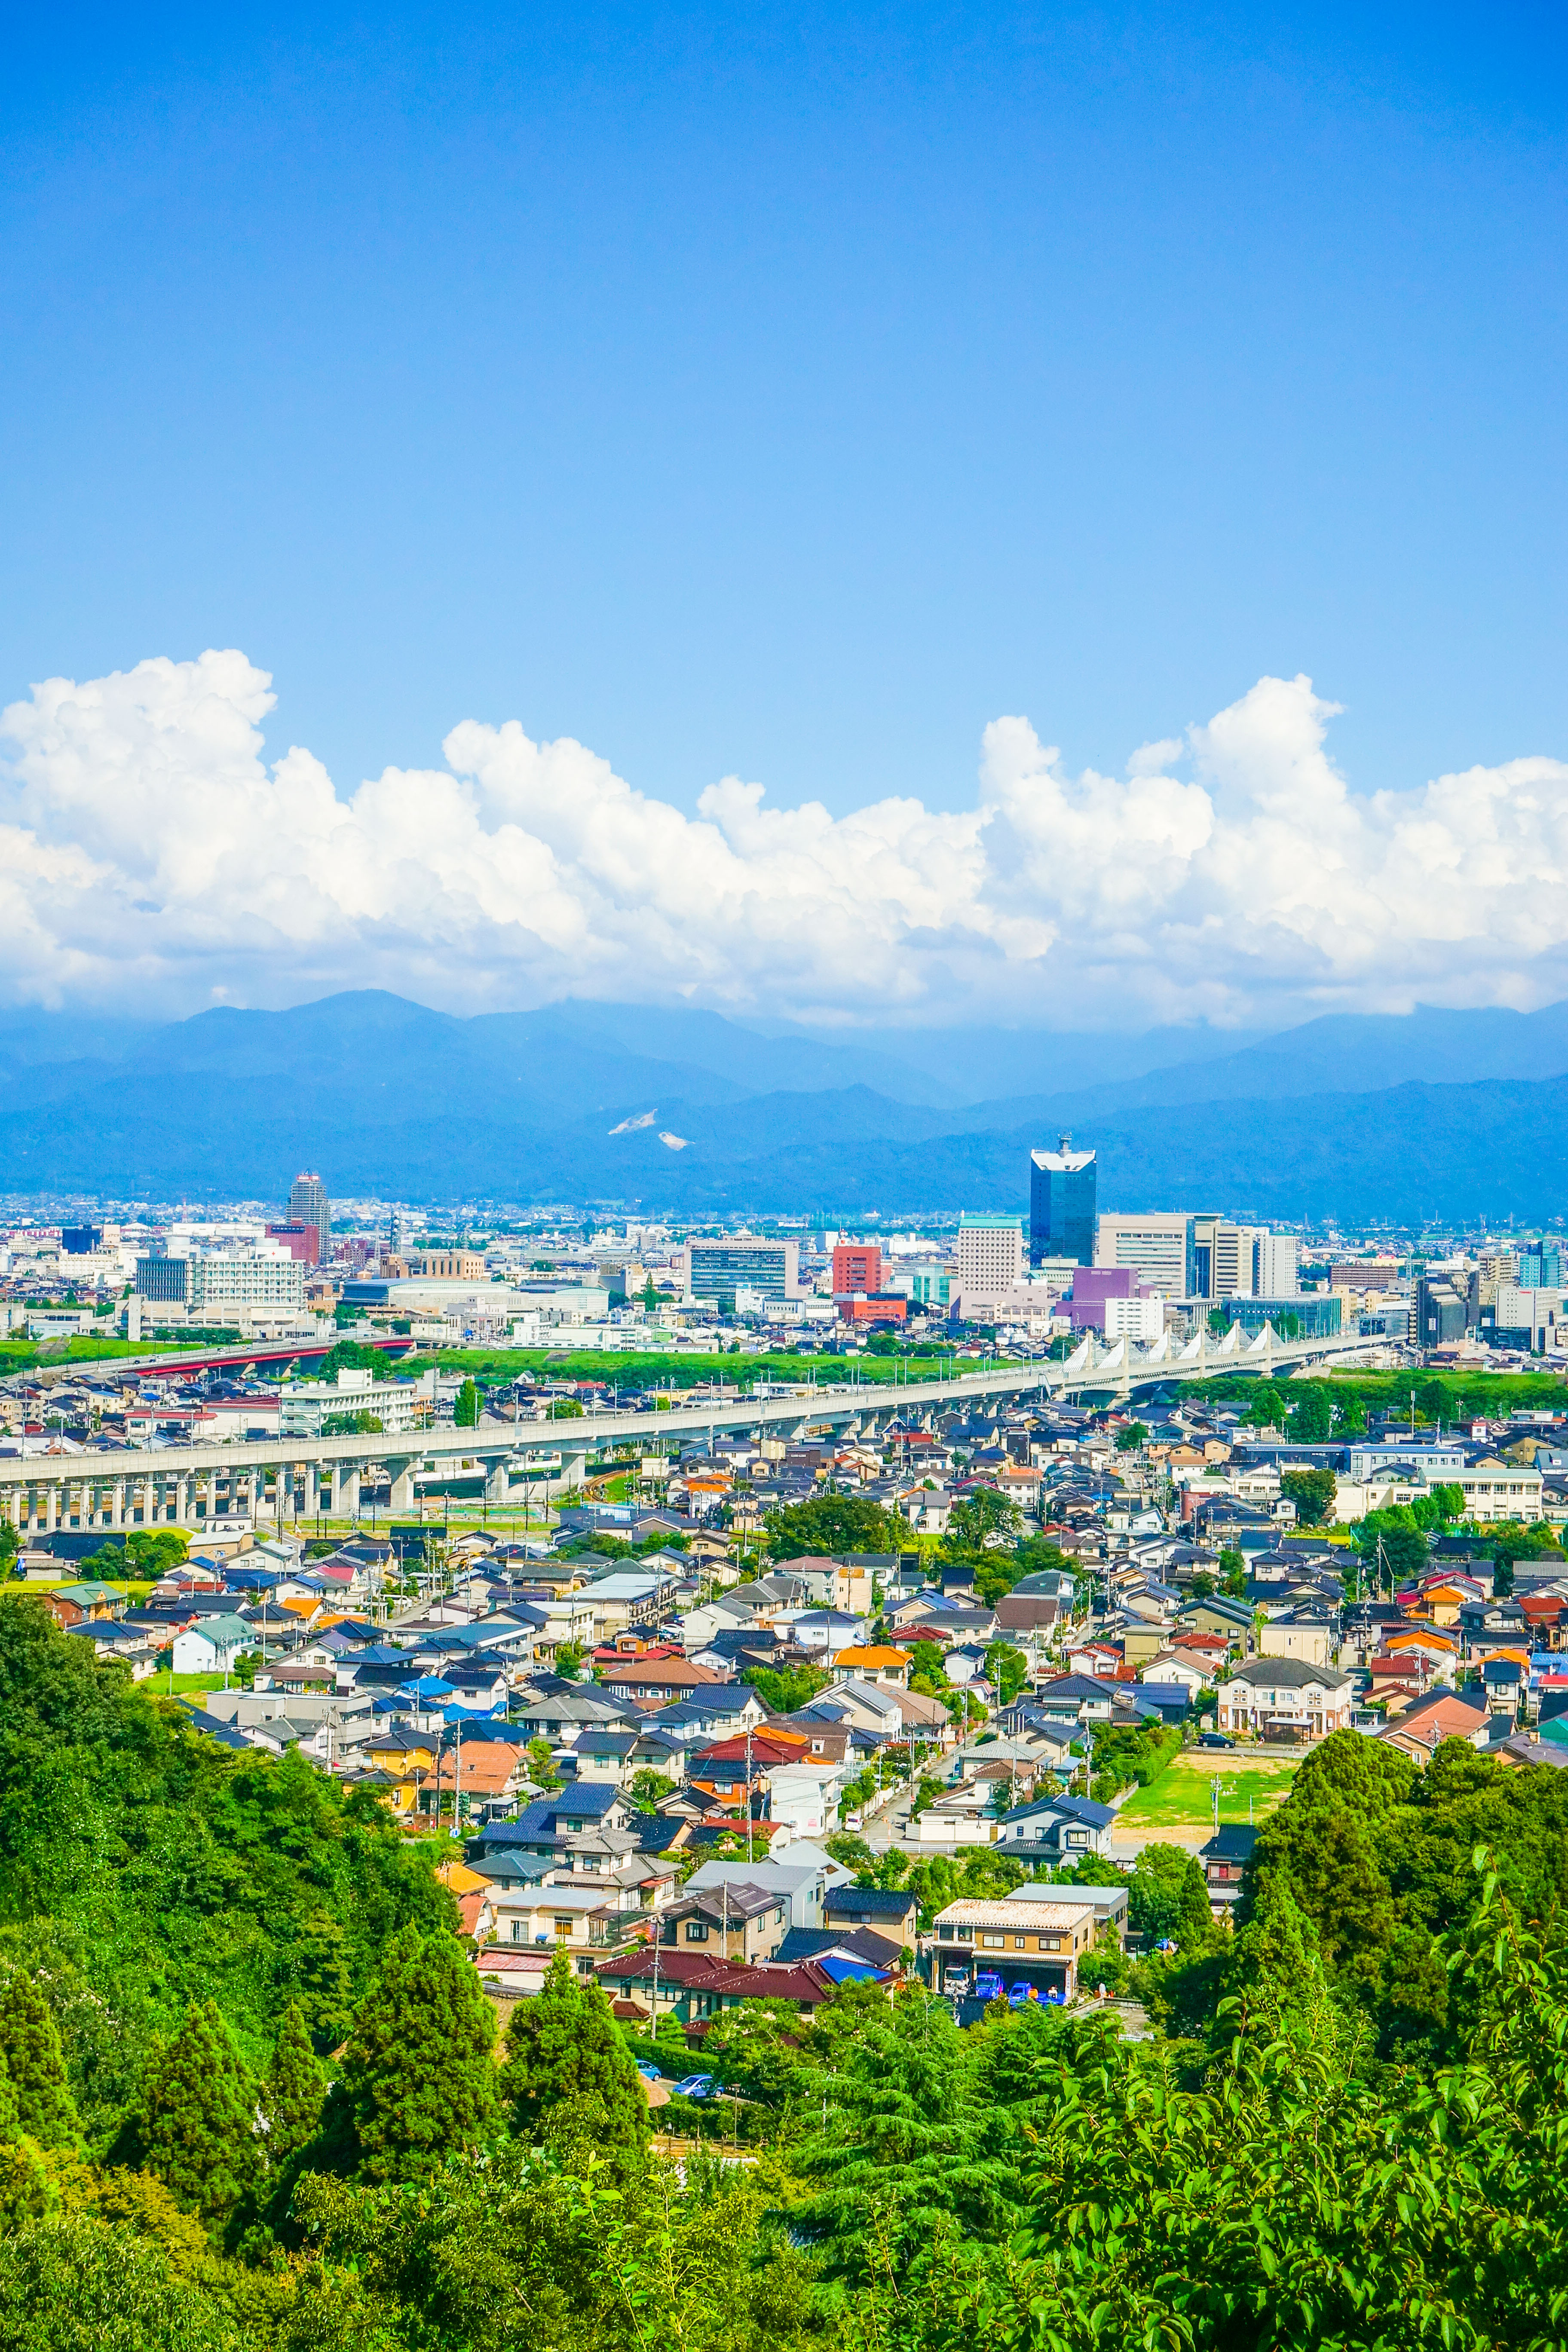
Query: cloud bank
(151, 859)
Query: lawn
(1180, 1804)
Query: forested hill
(144, 1867)
(252, 2098)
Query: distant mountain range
(1447, 1115)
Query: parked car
(1215, 1739)
(698, 2087)
(1017, 1994)
(649, 2071)
(988, 1985)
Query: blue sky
(792, 394)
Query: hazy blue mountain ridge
(389, 1097)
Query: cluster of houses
(645, 1747)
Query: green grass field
(1180, 1805)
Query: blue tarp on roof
(426, 1686)
(851, 1971)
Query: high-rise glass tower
(1061, 1204)
(308, 1205)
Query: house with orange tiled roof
(476, 1772)
(873, 1662)
(1428, 1722)
(306, 1608)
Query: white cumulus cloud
(152, 857)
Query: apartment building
(306, 1406)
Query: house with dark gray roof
(1062, 1828)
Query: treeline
(1345, 2131)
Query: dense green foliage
(32, 2062)
(417, 2079)
(1376, 1856)
(1312, 1492)
(143, 1868)
(294, 2092)
(567, 2066)
(193, 2122)
(351, 1355)
(142, 1555)
(783, 1689)
(830, 1525)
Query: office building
(857, 1266)
(1443, 1308)
(712, 1271)
(925, 1282)
(165, 1281)
(1158, 1247)
(1276, 1265)
(1318, 1315)
(989, 1254)
(308, 1205)
(1141, 1319)
(1528, 1319)
(80, 1241)
(1541, 1265)
(1061, 1204)
(454, 1265)
(301, 1241)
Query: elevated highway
(298, 1478)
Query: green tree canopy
(33, 2060)
(1129, 1438)
(1405, 1552)
(1007, 1670)
(293, 2091)
(418, 2078)
(830, 1525)
(350, 1356)
(466, 1410)
(647, 1788)
(1312, 1412)
(781, 1689)
(322, 1979)
(996, 1572)
(565, 2049)
(1233, 1571)
(984, 1512)
(1168, 1896)
(194, 2125)
(1312, 1492)
(1266, 1409)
